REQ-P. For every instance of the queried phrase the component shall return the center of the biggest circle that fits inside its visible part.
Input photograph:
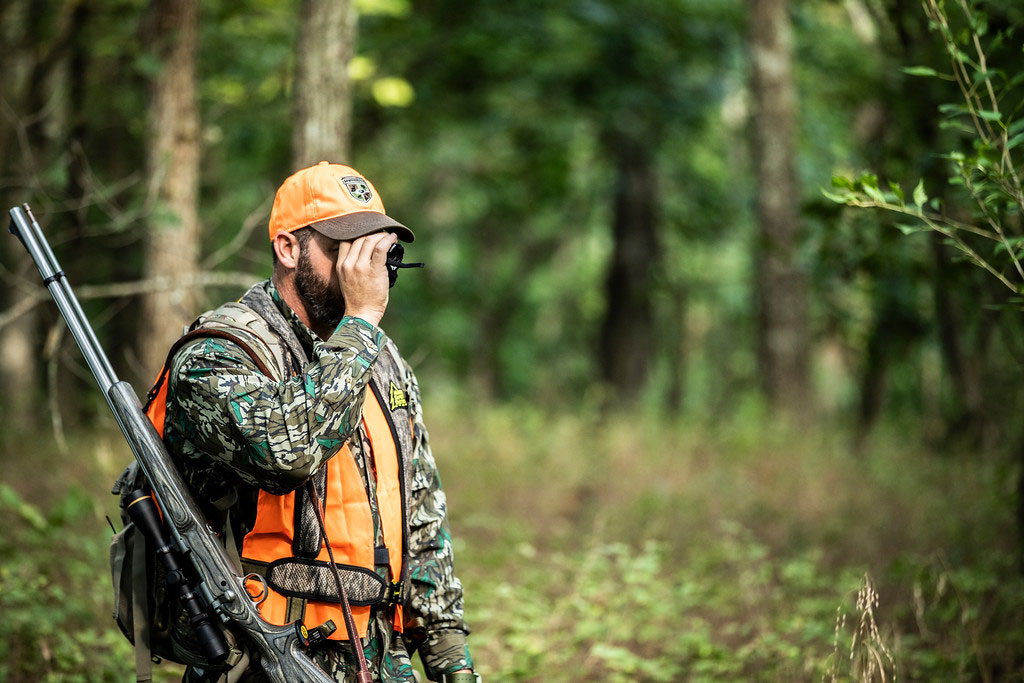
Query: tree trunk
(172, 247)
(20, 361)
(21, 52)
(64, 381)
(627, 333)
(781, 289)
(323, 98)
(14, 65)
(78, 62)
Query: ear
(286, 246)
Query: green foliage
(54, 594)
(657, 551)
(987, 168)
(504, 158)
(954, 609)
(621, 613)
(653, 551)
(508, 171)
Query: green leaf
(980, 76)
(953, 109)
(869, 184)
(1014, 141)
(955, 124)
(897, 190)
(842, 182)
(919, 71)
(978, 22)
(995, 198)
(868, 179)
(990, 115)
(1014, 242)
(839, 197)
(920, 196)
(911, 228)
(874, 193)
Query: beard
(324, 304)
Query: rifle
(219, 595)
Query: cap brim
(353, 225)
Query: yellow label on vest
(396, 397)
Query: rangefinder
(394, 261)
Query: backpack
(151, 617)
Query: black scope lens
(145, 515)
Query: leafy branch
(865, 193)
(990, 174)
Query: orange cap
(333, 199)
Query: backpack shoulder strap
(156, 409)
(140, 612)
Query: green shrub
(55, 594)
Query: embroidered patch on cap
(396, 397)
(358, 188)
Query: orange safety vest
(348, 517)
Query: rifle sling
(140, 612)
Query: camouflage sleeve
(271, 434)
(436, 597)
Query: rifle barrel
(31, 235)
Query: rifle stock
(280, 649)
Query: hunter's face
(317, 281)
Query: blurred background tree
(783, 336)
(172, 174)
(619, 206)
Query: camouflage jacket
(234, 431)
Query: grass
(620, 548)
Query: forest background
(697, 420)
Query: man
(303, 404)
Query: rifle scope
(144, 514)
